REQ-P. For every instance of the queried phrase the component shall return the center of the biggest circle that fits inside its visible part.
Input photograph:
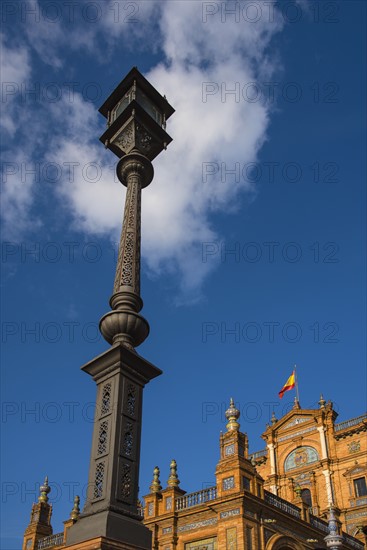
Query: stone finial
(44, 491)
(75, 512)
(274, 419)
(322, 402)
(232, 415)
(173, 480)
(156, 484)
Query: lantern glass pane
(122, 104)
(148, 106)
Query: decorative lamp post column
(136, 117)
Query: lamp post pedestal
(111, 508)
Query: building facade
(306, 490)
(308, 451)
(280, 497)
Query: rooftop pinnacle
(45, 489)
(232, 415)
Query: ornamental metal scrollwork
(127, 447)
(106, 399)
(131, 400)
(127, 262)
(143, 139)
(126, 481)
(126, 139)
(132, 201)
(98, 480)
(138, 239)
(102, 438)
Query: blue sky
(253, 228)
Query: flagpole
(296, 381)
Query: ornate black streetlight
(136, 117)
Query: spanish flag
(289, 385)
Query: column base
(112, 530)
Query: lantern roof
(143, 84)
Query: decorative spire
(156, 484)
(44, 491)
(274, 419)
(232, 415)
(173, 480)
(76, 509)
(322, 402)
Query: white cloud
(178, 206)
(15, 70)
(17, 197)
(17, 190)
(85, 26)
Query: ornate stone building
(277, 498)
(307, 451)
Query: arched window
(300, 457)
(306, 497)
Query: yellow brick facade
(276, 498)
(327, 460)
